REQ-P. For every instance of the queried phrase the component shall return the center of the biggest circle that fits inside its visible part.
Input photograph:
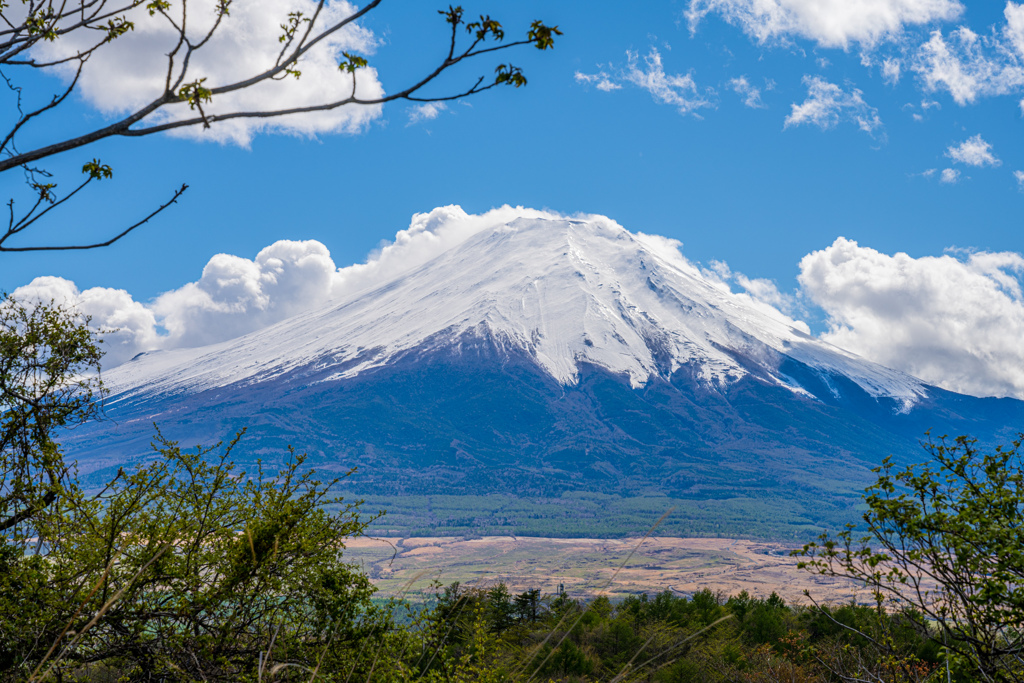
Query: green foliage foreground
(185, 568)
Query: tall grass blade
(373, 665)
(99, 615)
(96, 587)
(625, 670)
(455, 622)
(603, 588)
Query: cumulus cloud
(751, 95)
(1019, 176)
(950, 176)
(827, 104)
(427, 111)
(236, 295)
(955, 321)
(128, 326)
(830, 23)
(973, 152)
(129, 72)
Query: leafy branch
(54, 20)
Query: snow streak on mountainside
(565, 292)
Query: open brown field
(585, 566)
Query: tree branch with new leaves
(186, 96)
(945, 545)
(49, 359)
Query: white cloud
(950, 176)
(953, 322)
(968, 66)
(830, 23)
(1019, 176)
(1014, 30)
(130, 71)
(926, 105)
(428, 111)
(601, 80)
(236, 295)
(973, 152)
(751, 95)
(891, 69)
(677, 90)
(759, 292)
(130, 327)
(827, 104)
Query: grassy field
(585, 566)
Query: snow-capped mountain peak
(564, 292)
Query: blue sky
(834, 146)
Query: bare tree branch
(107, 243)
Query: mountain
(550, 376)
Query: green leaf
(352, 62)
(97, 171)
(541, 35)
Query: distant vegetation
(582, 514)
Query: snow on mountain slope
(563, 291)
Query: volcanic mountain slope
(541, 358)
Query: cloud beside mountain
(954, 320)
